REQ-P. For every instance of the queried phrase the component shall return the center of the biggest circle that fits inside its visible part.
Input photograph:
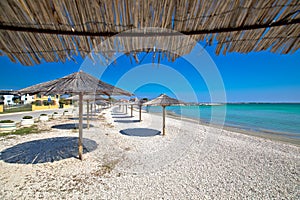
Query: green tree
(16, 100)
(145, 99)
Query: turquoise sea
(282, 118)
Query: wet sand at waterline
(127, 159)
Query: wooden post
(91, 109)
(140, 113)
(164, 117)
(80, 148)
(131, 107)
(126, 109)
(87, 114)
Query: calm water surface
(277, 118)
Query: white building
(7, 99)
(27, 99)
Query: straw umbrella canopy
(76, 83)
(88, 99)
(164, 100)
(139, 103)
(33, 31)
(132, 103)
(79, 83)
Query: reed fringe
(100, 16)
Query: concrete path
(19, 115)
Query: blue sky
(253, 77)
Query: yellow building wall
(34, 107)
(1, 108)
(45, 98)
(67, 106)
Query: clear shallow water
(277, 118)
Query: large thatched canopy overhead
(56, 30)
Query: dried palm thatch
(76, 83)
(164, 100)
(52, 30)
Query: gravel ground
(126, 159)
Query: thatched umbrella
(88, 99)
(77, 83)
(163, 100)
(122, 106)
(139, 103)
(132, 103)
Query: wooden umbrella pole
(131, 107)
(80, 148)
(91, 108)
(140, 113)
(87, 114)
(164, 117)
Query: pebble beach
(127, 159)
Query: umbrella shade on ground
(79, 83)
(164, 100)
